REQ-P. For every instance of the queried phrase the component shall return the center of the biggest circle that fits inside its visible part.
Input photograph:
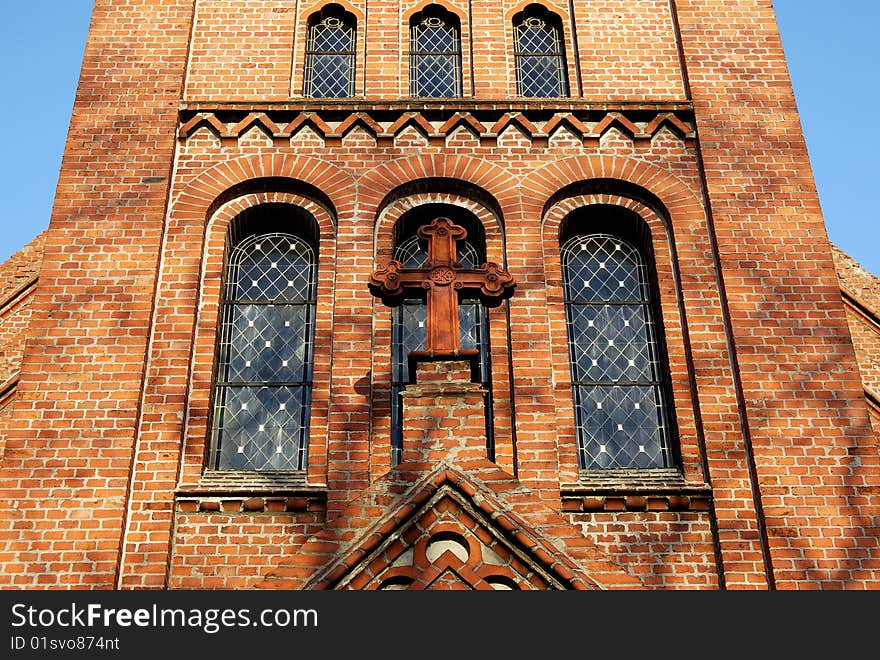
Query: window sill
(634, 490)
(251, 492)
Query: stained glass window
(263, 386)
(540, 57)
(616, 371)
(409, 334)
(435, 54)
(330, 55)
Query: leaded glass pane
(600, 269)
(264, 368)
(266, 343)
(262, 428)
(330, 58)
(610, 343)
(620, 426)
(540, 59)
(271, 267)
(620, 412)
(435, 59)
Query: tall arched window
(618, 371)
(408, 332)
(330, 54)
(539, 52)
(435, 53)
(264, 369)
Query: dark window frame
(230, 383)
(434, 24)
(534, 25)
(622, 384)
(319, 59)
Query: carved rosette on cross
(443, 279)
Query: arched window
(435, 53)
(330, 54)
(263, 384)
(618, 372)
(539, 52)
(408, 332)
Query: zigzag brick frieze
(281, 122)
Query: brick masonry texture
(18, 275)
(861, 295)
(190, 113)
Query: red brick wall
(773, 432)
(809, 441)
(77, 409)
(663, 550)
(624, 51)
(233, 550)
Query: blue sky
(832, 56)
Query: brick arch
(308, 12)
(679, 201)
(551, 7)
(497, 182)
(672, 317)
(445, 4)
(207, 321)
(199, 196)
(391, 214)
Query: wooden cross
(444, 279)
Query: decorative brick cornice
(634, 490)
(220, 492)
(436, 121)
(296, 503)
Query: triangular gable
(449, 530)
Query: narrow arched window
(618, 374)
(435, 53)
(539, 53)
(330, 54)
(264, 369)
(409, 333)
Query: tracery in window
(435, 53)
(539, 53)
(617, 369)
(264, 365)
(330, 54)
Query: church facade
(408, 295)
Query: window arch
(408, 331)
(330, 54)
(618, 368)
(539, 53)
(435, 53)
(262, 390)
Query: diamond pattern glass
(618, 426)
(264, 368)
(435, 56)
(260, 428)
(409, 333)
(620, 411)
(329, 71)
(540, 60)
